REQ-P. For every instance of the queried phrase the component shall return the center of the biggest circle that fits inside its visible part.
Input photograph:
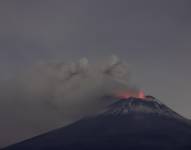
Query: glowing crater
(131, 93)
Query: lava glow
(131, 93)
(141, 95)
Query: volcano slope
(127, 124)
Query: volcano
(127, 124)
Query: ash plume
(52, 94)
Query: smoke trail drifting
(49, 95)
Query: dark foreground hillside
(130, 124)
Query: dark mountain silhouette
(128, 124)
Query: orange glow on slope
(141, 95)
(130, 93)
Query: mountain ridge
(122, 125)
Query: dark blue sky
(153, 36)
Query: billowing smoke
(53, 94)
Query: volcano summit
(128, 124)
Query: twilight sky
(153, 36)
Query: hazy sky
(154, 36)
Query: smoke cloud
(53, 94)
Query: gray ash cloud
(52, 94)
